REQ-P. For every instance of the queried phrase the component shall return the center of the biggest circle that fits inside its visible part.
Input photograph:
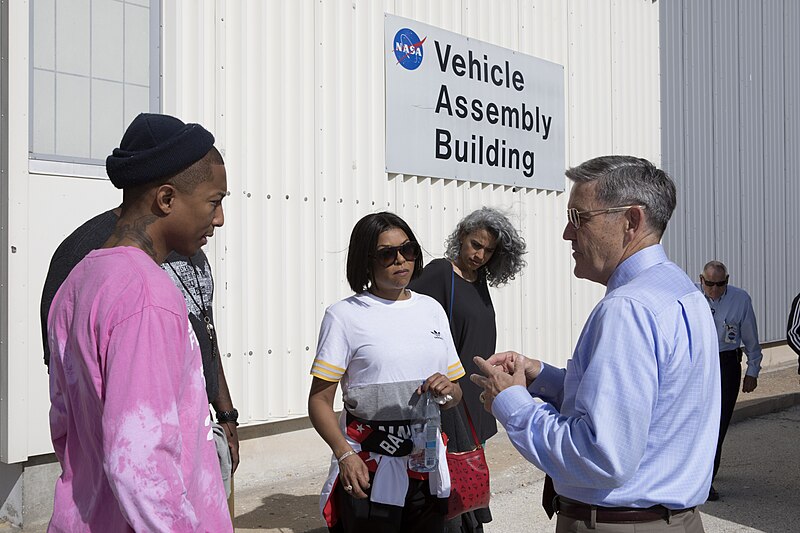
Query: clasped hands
(501, 371)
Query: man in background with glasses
(736, 325)
(627, 431)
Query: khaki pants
(225, 464)
(688, 522)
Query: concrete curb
(764, 406)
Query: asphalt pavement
(278, 482)
(759, 479)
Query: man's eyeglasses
(386, 256)
(715, 283)
(574, 216)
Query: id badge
(731, 332)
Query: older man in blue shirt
(736, 326)
(628, 430)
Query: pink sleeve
(58, 414)
(144, 375)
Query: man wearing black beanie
(159, 145)
(129, 413)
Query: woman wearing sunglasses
(484, 249)
(386, 345)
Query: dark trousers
(422, 513)
(730, 368)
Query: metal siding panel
(748, 99)
(189, 29)
(750, 269)
(777, 299)
(635, 99)
(546, 299)
(792, 142)
(277, 104)
(330, 95)
(53, 195)
(5, 250)
(487, 20)
(673, 159)
(698, 131)
(445, 14)
(546, 303)
(543, 30)
(293, 92)
(589, 80)
(724, 90)
(589, 94)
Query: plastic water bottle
(425, 429)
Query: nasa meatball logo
(408, 49)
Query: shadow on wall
(758, 479)
(284, 512)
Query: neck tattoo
(136, 232)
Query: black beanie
(156, 146)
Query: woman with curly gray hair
(484, 249)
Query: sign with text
(465, 109)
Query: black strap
(452, 292)
(549, 496)
(377, 439)
(201, 306)
(472, 428)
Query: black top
(91, 235)
(472, 324)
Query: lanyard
(201, 306)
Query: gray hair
(507, 261)
(627, 180)
(717, 266)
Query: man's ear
(634, 218)
(165, 198)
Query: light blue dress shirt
(633, 419)
(736, 325)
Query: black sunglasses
(715, 283)
(386, 256)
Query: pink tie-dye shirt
(129, 415)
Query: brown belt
(613, 515)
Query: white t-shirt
(381, 350)
(366, 340)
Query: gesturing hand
(508, 360)
(495, 379)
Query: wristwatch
(228, 416)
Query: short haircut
(716, 265)
(507, 261)
(185, 181)
(200, 171)
(364, 243)
(627, 180)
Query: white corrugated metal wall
(299, 111)
(293, 91)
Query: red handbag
(469, 478)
